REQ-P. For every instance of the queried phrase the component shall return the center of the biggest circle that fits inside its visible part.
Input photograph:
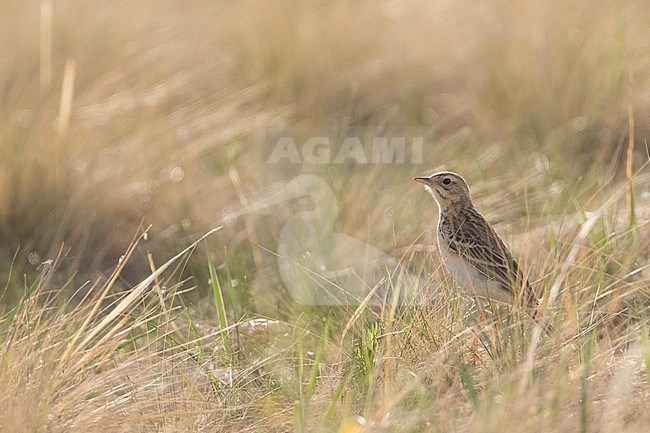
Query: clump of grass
(142, 360)
(87, 365)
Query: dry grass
(165, 112)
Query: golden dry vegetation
(124, 118)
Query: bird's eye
(446, 181)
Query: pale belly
(469, 279)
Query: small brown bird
(473, 253)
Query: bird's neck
(456, 212)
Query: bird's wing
(480, 245)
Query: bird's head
(449, 189)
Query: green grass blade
(221, 311)
(233, 302)
(469, 384)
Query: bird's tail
(542, 322)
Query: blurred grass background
(169, 99)
(167, 105)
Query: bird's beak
(423, 180)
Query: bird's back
(473, 249)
